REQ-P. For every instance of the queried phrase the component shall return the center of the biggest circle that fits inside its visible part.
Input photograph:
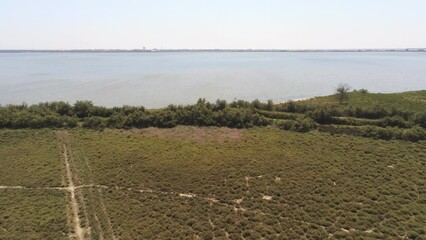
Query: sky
(218, 24)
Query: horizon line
(420, 49)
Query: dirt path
(73, 185)
(34, 188)
(74, 205)
(13, 187)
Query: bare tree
(342, 92)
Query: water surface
(158, 79)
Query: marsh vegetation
(239, 170)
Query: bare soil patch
(197, 134)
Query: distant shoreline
(154, 50)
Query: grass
(213, 183)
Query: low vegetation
(30, 168)
(32, 214)
(29, 158)
(215, 183)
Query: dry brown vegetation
(196, 134)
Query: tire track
(104, 210)
(103, 207)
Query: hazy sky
(286, 24)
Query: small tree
(363, 90)
(342, 92)
(270, 105)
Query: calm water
(158, 79)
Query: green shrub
(299, 125)
(414, 134)
(82, 108)
(278, 115)
(165, 119)
(116, 121)
(321, 115)
(420, 119)
(395, 121)
(287, 124)
(94, 122)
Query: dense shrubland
(372, 120)
(238, 114)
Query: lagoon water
(160, 78)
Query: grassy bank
(413, 101)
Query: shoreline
(154, 50)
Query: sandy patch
(266, 197)
(187, 195)
(213, 200)
(237, 209)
